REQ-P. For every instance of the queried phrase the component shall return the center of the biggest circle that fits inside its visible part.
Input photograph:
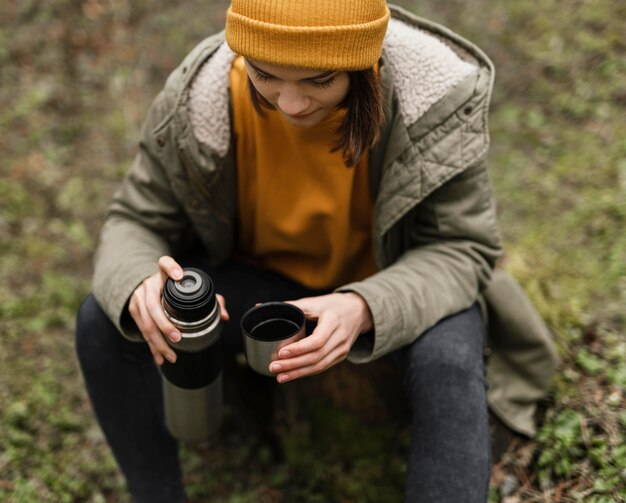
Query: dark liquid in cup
(274, 329)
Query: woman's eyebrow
(315, 77)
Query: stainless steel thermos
(192, 387)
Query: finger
(169, 268)
(155, 354)
(308, 305)
(137, 300)
(222, 303)
(153, 337)
(156, 313)
(308, 358)
(328, 361)
(326, 325)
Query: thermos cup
(267, 328)
(192, 387)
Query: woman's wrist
(365, 319)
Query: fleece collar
(423, 68)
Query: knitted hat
(312, 34)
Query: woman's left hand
(341, 318)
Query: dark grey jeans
(444, 379)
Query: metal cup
(266, 329)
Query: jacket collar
(427, 137)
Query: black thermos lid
(191, 298)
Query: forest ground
(76, 80)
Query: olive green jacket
(436, 240)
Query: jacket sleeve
(143, 222)
(453, 246)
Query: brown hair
(360, 128)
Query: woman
(330, 154)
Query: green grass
(76, 80)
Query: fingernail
(178, 274)
(276, 367)
(175, 336)
(171, 358)
(284, 354)
(283, 378)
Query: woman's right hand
(146, 309)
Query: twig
(584, 430)
(557, 493)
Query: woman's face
(304, 97)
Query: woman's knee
(453, 347)
(99, 343)
(91, 325)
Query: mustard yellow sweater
(302, 212)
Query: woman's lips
(300, 116)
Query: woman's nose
(292, 101)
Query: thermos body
(192, 387)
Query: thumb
(169, 268)
(309, 305)
(222, 303)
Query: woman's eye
(323, 84)
(263, 77)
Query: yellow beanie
(312, 34)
